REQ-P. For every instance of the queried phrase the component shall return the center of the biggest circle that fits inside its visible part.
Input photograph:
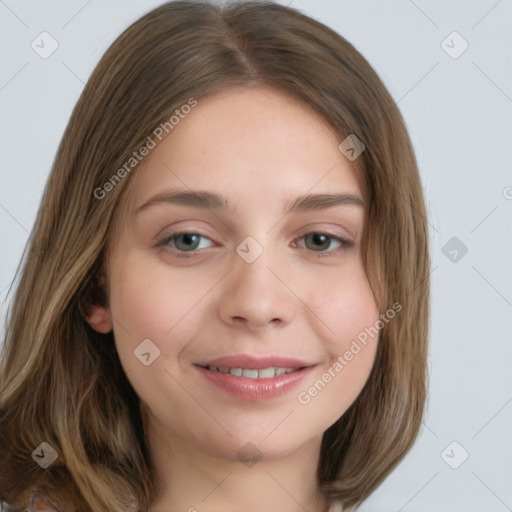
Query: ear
(99, 319)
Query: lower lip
(249, 389)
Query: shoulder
(40, 503)
(335, 506)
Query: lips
(253, 373)
(254, 378)
(257, 362)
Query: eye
(321, 242)
(183, 242)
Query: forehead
(252, 144)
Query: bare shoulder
(336, 507)
(40, 503)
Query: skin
(260, 148)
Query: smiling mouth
(253, 373)
(238, 377)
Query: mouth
(253, 373)
(253, 378)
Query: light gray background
(459, 114)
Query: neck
(194, 481)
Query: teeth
(265, 373)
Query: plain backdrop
(455, 93)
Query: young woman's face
(252, 276)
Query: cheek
(347, 316)
(344, 305)
(146, 304)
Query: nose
(258, 296)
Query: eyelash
(164, 242)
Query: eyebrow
(213, 201)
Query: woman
(280, 363)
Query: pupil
(321, 240)
(188, 239)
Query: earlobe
(99, 319)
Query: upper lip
(257, 362)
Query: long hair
(62, 383)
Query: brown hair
(62, 383)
